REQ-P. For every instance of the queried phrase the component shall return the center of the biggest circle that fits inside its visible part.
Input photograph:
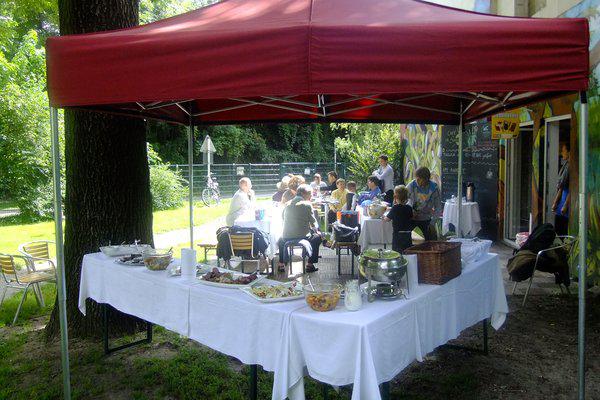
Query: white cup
(188, 262)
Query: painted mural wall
(569, 105)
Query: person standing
(401, 215)
(562, 200)
(385, 174)
(425, 198)
(242, 201)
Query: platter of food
(229, 279)
(124, 249)
(132, 260)
(275, 292)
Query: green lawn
(13, 232)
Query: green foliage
(25, 163)
(166, 185)
(363, 145)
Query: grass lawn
(14, 232)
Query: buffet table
(470, 219)
(374, 231)
(372, 345)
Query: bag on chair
(350, 219)
(344, 233)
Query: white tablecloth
(470, 217)
(150, 295)
(374, 344)
(374, 232)
(366, 347)
(272, 225)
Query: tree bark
(107, 177)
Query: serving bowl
(386, 266)
(157, 260)
(322, 296)
(376, 210)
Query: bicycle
(211, 195)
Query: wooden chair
(241, 245)
(566, 242)
(37, 254)
(11, 279)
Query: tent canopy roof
(243, 61)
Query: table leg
(325, 391)
(384, 389)
(253, 382)
(107, 349)
(485, 337)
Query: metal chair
(37, 254)
(566, 243)
(288, 247)
(28, 279)
(241, 244)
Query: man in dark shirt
(401, 215)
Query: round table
(470, 223)
(272, 225)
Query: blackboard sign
(480, 166)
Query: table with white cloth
(364, 348)
(470, 219)
(374, 231)
(271, 224)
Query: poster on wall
(505, 126)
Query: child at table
(401, 215)
(351, 196)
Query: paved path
(205, 232)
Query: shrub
(166, 185)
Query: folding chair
(12, 280)
(37, 254)
(566, 243)
(241, 245)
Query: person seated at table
(374, 191)
(332, 178)
(424, 196)
(242, 201)
(282, 186)
(293, 184)
(299, 222)
(351, 196)
(317, 183)
(338, 194)
(401, 215)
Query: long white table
(363, 348)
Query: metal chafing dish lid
(381, 254)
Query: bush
(166, 185)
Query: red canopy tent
(335, 60)
(244, 61)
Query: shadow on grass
(30, 308)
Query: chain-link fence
(264, 176)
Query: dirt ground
(533, 356)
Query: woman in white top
(242, 201)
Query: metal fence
(264, 176)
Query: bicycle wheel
(210, 197)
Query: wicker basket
(438, 262)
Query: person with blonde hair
(242, 201)
(338, 194)
(401, 215)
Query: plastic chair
(29, 279)
(241, 244)
(37, 254)
(566, 243)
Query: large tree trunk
(107, 177)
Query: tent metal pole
(191, 180)
(583, 219)
(460, 174)
(60, 259)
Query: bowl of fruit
(322, 296)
